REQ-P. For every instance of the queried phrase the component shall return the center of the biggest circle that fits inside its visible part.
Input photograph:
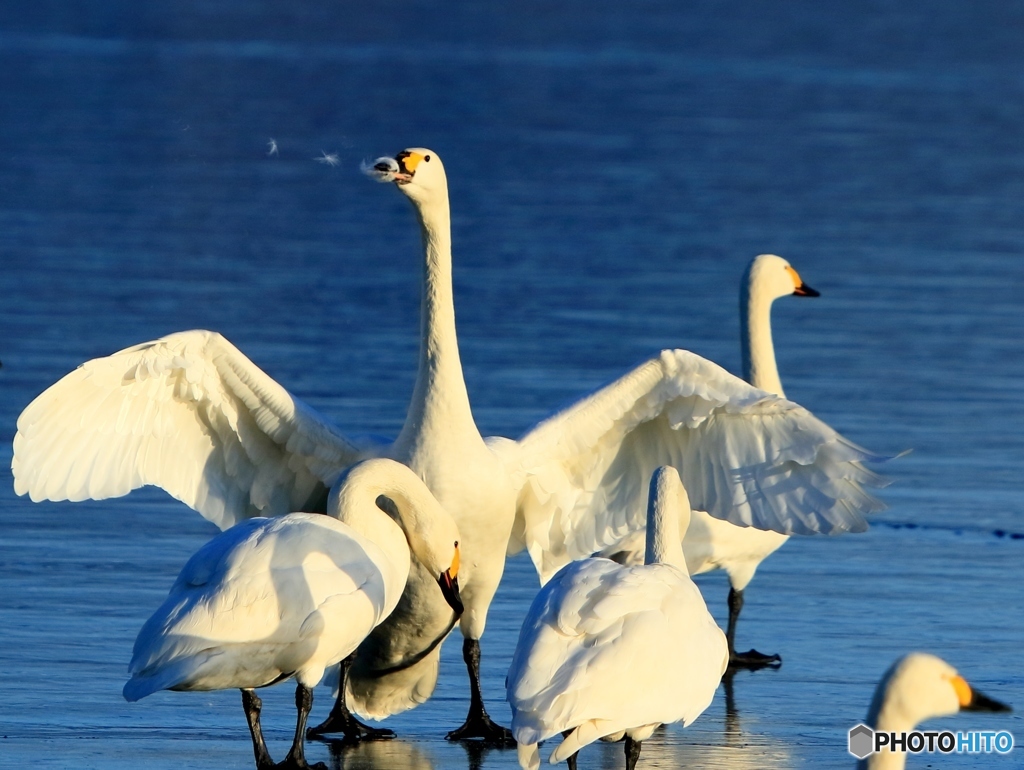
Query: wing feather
(188, 413)
(744, 455)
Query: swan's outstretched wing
(188, 413)
(744, 455)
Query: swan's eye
(427, 159)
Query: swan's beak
(389, 169)
(450, 589)
(972, 700)
(803, 290)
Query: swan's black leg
(751, 659)
(632, 753)
(252, 705)
(478, 723)
(296, 759)
(341, 720)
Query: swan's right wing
(188, 413)
(744, 455)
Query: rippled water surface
(612, 167)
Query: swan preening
(710, 542)
(918, 687)
(610, 651)
(193, 415)
(289, 596)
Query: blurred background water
(612, 168)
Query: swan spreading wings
(191, 414)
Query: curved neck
(668, 516)
(439, 400)
(759, 368)
(356, 505)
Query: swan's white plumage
(200, 420)
(592, 652)
(257, 602)
(277, 597)
(747, 456)
(188, 413)
(713, 543)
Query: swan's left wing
(744, 455)
(189, 413)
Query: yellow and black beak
(449, 580)
(407, 163)
(972, 700)
(802, 289)
(450, 588)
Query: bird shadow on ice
(394, 755)
(701, 745)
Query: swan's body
(191, 414)
(918, 687)
(591, 659)
(710, 542)
(289, 596)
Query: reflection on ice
(376, 755)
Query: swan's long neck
(355, 504)
(440, 401)
(759, 367)
(668, 516)
(885, 715)
(412, 515)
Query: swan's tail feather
(586, 733)
(529, 756)
(166, 677)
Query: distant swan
(191, 414)
(710, 542)
(917, 687)
(289, 596)
(610, 652)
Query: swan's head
(773, 277)
(379, 485)
(417, 171)
(920, 686)
(440, 555)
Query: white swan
(591, 660)
(710, 542)
(917, 687)
(286, 597)
(191, 414)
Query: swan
(917, 687)
(590, 662)
(711, 543)
(274, 598)
(192, 414)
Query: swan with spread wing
(191, 414)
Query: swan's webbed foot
(752, 660)
(480, 726)
(343, 721)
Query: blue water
(613, 167)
